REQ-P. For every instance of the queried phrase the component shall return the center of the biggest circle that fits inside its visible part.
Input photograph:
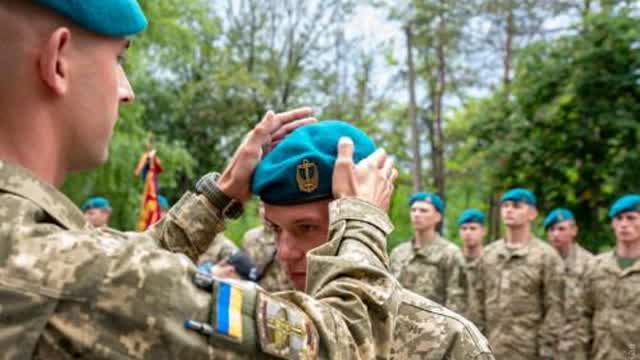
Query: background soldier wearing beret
(517, 287)
(97, 211)
(69, 290)
(294, 182)
(260, 244)
(428, 264)
(472, 231)
(561, 231)
(610, 326)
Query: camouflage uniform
(470, 269)
(260, 244)
(577, 262)
(220, 249)
(435, 271)
(72, 291)
(516, 299)
(610, 327)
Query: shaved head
(60, 90)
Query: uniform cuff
(360, 210)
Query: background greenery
(562, 120)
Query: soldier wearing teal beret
(519, 273)
(295, 183)
(97, 211)
(472, 231)
(612, 289)
(471, 216)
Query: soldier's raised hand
(371, 179)
(235, 181)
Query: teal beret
(96, 202)
(163, 202)
(115, 18)
(519, 195)
(433, 199)
(556, 216)
(300, 168)
(471, 216)
(630, 202)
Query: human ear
(54, 61)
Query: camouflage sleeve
(395, 263)
(189, 227)
(552, 301)
(585, 310)
(350, 291)
(476, 309)
(456, 284)
(220, 249)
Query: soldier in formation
(428, 264)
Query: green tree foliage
(570, 129)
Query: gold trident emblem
(307, 176)
(282, 329)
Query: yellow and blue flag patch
(229, 311)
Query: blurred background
(471, 97)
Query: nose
(125, 92)
(287, 249)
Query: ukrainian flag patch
(229, 311)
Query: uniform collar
(426, 246)
(19, 181)
(506, 252)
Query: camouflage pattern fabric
(516, 299)
(260, 244)
(426, 330)
(72, 291)
(435, 271)
(610, 327)
(221, 248)
(576, 264)
(470, 269)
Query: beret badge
(307, 176)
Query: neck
(472, 251)
(628, 249)
(518, 235)
(564, 250)
(425, 236)
(28, 140)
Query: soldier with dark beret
(295, 183)
(517, 286)
(97, 211)
(610, 326)
(561, 231)
(70, 290)
(428, 264)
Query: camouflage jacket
(71, 291)
(470, 268)
(577, 262)
(611, 303)
(435, 271)
(260, 244)
(426, 330)
(516, 299)
(220, 249)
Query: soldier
(294, 182)
(260, 244)
(69, 290)
(97, 211)
(561, 231)
(517, 286)
(611, 303)
(472, 231)
(428, 264)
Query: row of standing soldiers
(532, 299)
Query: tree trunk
(439, 170)
(413, 117)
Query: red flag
(149, 167)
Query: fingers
(343, 178)
(292, 115)
(288, 128)
(345, 151)
(387, 168)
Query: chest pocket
(424, 275)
